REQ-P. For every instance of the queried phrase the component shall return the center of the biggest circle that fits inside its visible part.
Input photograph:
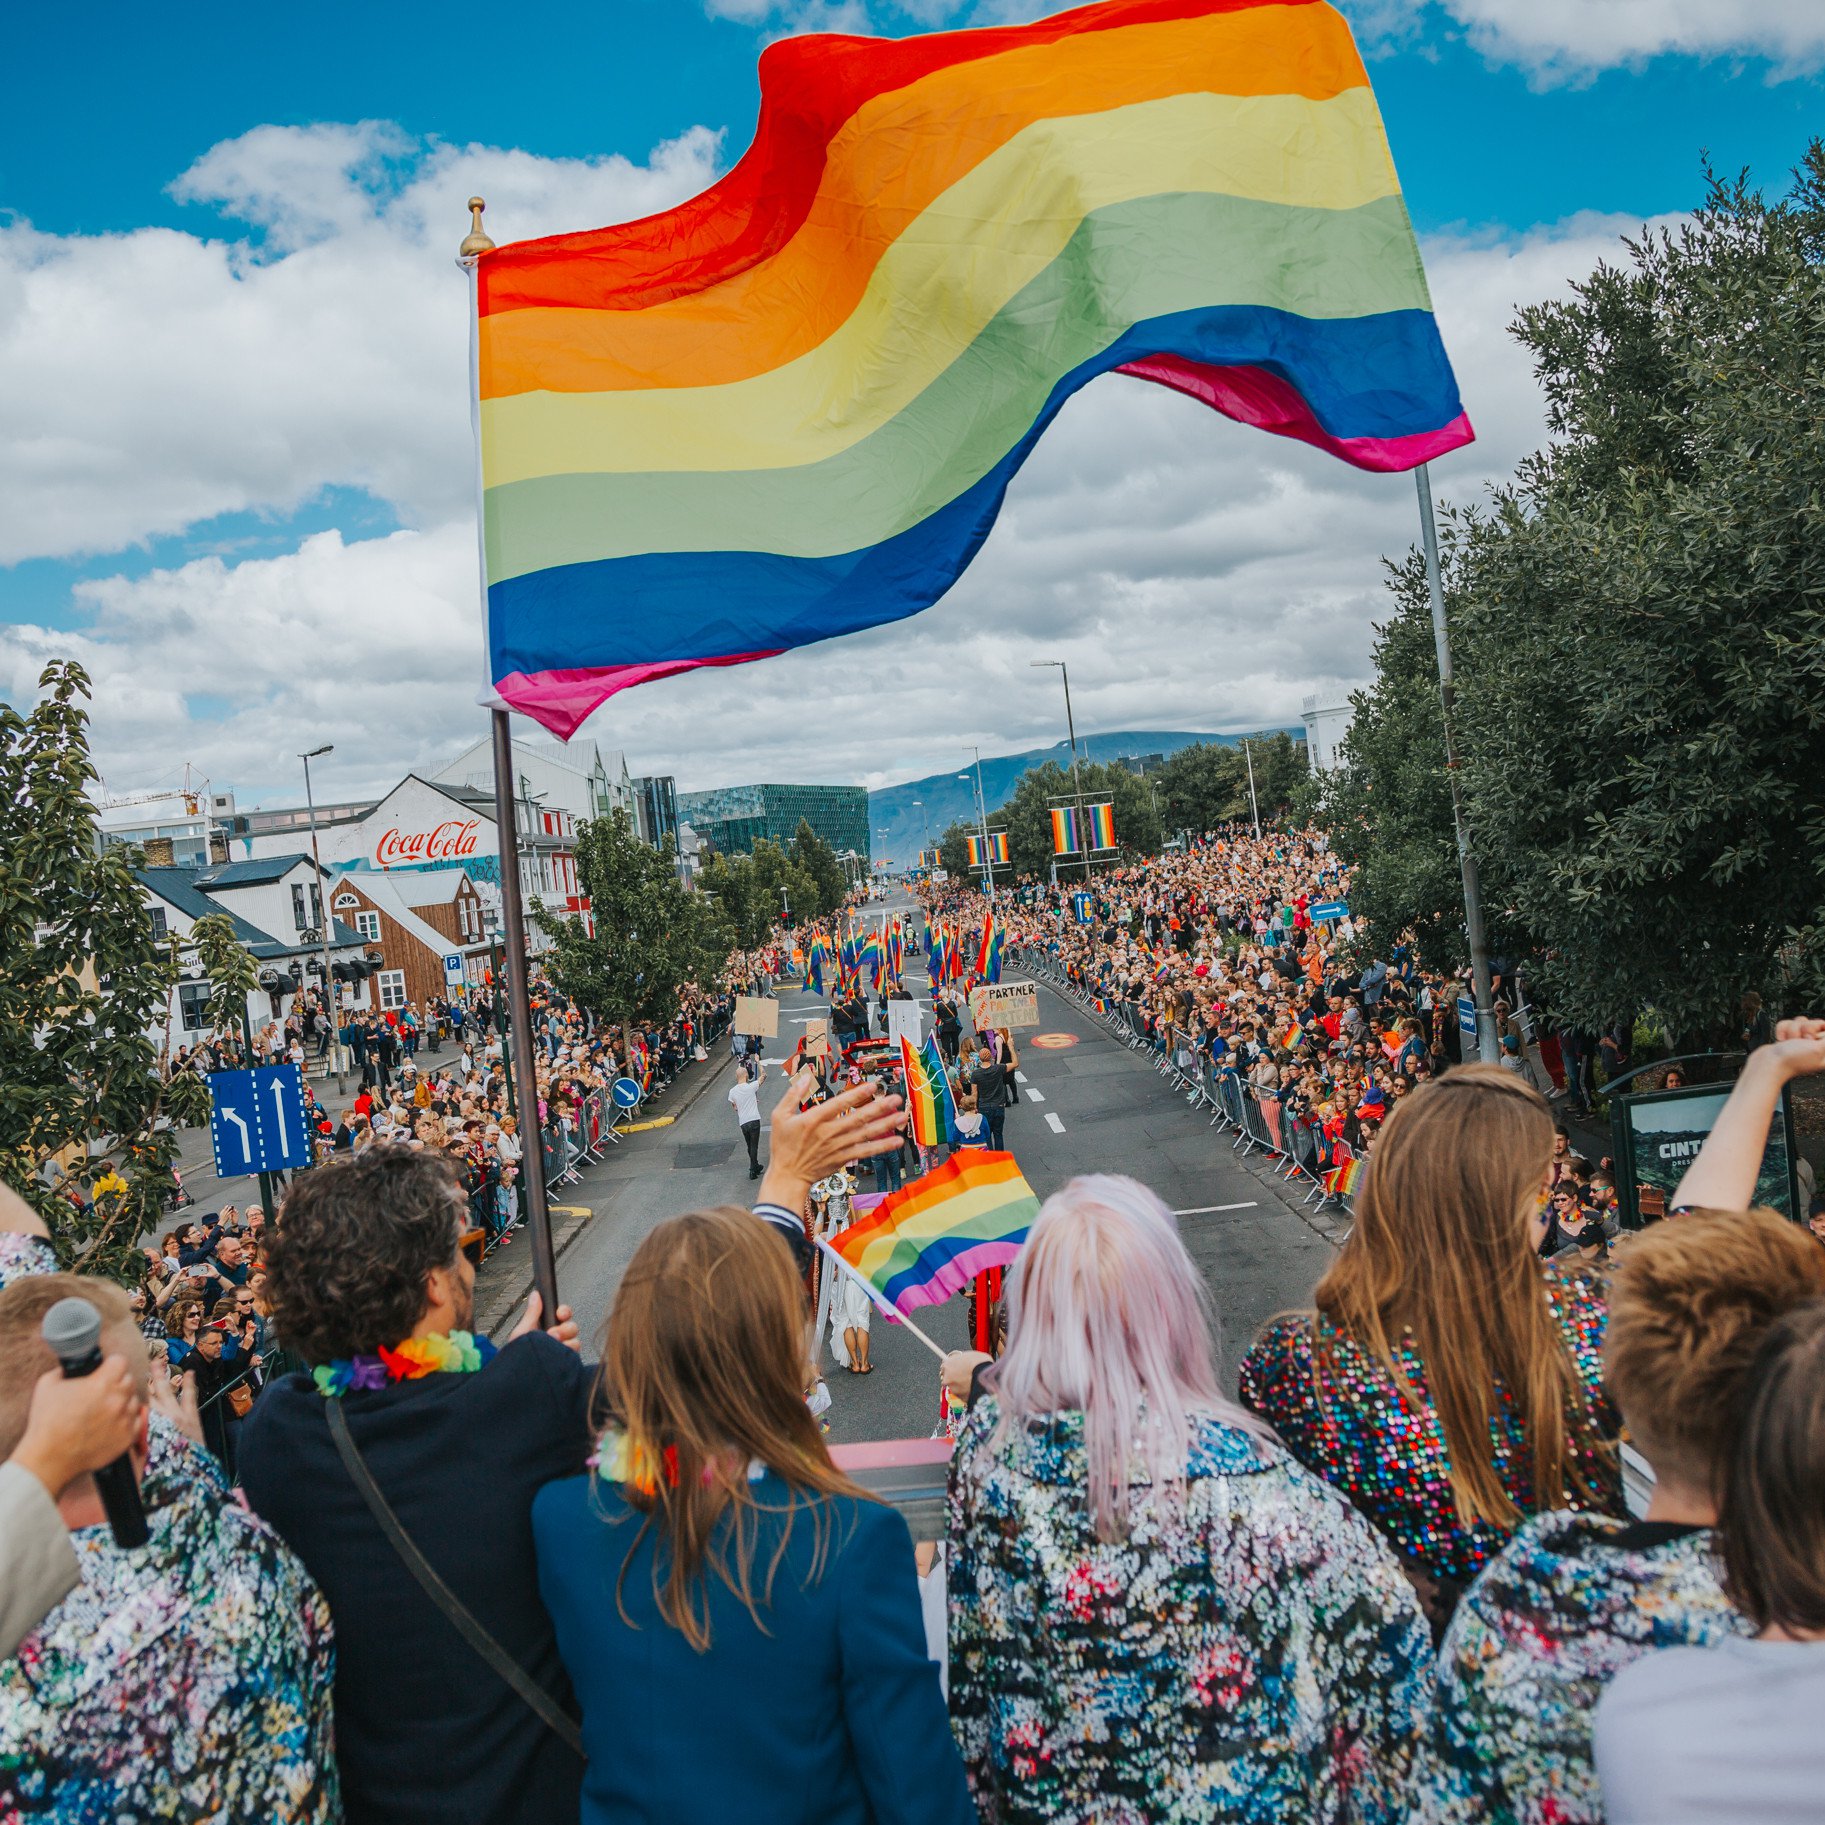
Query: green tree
(755, 891)
(651, 935)
(1202, 786)
(954, 851)
(84, 989)
(818, 860)
(228, 969)
(1027, 816)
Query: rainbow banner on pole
(1100, 826)
(789, 408)
(1064, 830)
(931, 1238)
(972, 847)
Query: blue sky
(205, 484)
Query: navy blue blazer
(831, 1716)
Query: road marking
(1037, 1096)
(1211, 1210)
(1054, 1123)
(1020, 1077)
(661, 1121)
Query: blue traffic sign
(1326, 912)
(453, 967)
(626, 1092)
(1466, 1016)
(256, 1120)
(1080, 907)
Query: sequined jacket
(187, 1679)
(1568, 1603)
(1343, 1415)
(1250, 1654)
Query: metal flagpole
(1488, 1047)
(1253, 804)
(519, 1001)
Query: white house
(579, 779)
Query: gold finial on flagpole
(475, 242)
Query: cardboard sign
(757, 1015)
(817, 1039)
(1004, 1004)
(903, 1022)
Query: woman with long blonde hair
(740, 1621)
(1447, 1382)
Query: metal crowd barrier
(1296, 1144)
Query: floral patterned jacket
(1252, 1653)
(1568, 1603)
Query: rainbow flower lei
(460, 1353)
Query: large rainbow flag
(789, 408)
(928, 1094)
(932, 1237)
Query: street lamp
(982, 825)
(1077, 791)
(324, 917)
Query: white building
(579, 779)
(185, 829)
(1327, 722)
(275, 905)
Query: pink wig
(1108, 1316)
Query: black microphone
(72, 1327)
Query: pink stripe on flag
(1253, 396)
(561, 700)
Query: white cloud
(1194, 574)
(156, 379)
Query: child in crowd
(1574, 1597)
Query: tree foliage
(1206, 784)
(954, 850)
(228, 969)
(1638, 629)
(754, 892)
(818, 860)
(651, 935)
(1027, 815)
(84, 987)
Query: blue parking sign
(256, 1121)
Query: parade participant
(1447, 1383)
(717, 1562)
(744, 1098)
(1574, 1598)
(1155, 1610)
(187, 1678)
(993, 1081)
(1697, 1734)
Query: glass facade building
(733, 818)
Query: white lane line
(1020, 1077)
(1211, 1210)
(1035, 1096)
(1054, 1123)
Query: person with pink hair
(1155, 1610)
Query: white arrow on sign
(278, 1097)
(240, 1121)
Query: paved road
(1090, 1106)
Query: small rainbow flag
(1341, 1181)
(931, 1238)
(928, 1095)
(1290, 1040)
(1102, 826)
(937, 954)
(1064, 830)
(896, 950)
(815, 959)
(988, 955)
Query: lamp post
(982, 826)
(1077, 790)
(1253, 805)
(323, 923)
(925, 828)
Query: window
(368, 924)
(306, 910)
(392, 989)
(158, 922)
(193, 1005)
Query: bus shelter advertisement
(1658, 1136)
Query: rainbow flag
(988, 953)
(972, 847)
(869, 959)
(807, 389)
(998, 848)
(1064, 830)
(928, 1096)
(1291, 1038)
(815, 959)
(936, 954)
(1341, 1181)
(932, 1237)
(1101, 826)
(896, 950)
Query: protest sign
(817, 1039)
(757, 1015)
(1004, 1004)
(903, 1021)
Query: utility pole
(982, 826)
(1077, 789)
(323, 923)
(1253, 805)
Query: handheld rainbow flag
(988, 954)
(1341, 1181)
(815, 959)
(896, 950)
(1064, 830)
(1291, 1038)
(1101, 823)
(806, 390)
(936, 954)
(928, 1097)
(931, 1238)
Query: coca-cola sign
(449, 841)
